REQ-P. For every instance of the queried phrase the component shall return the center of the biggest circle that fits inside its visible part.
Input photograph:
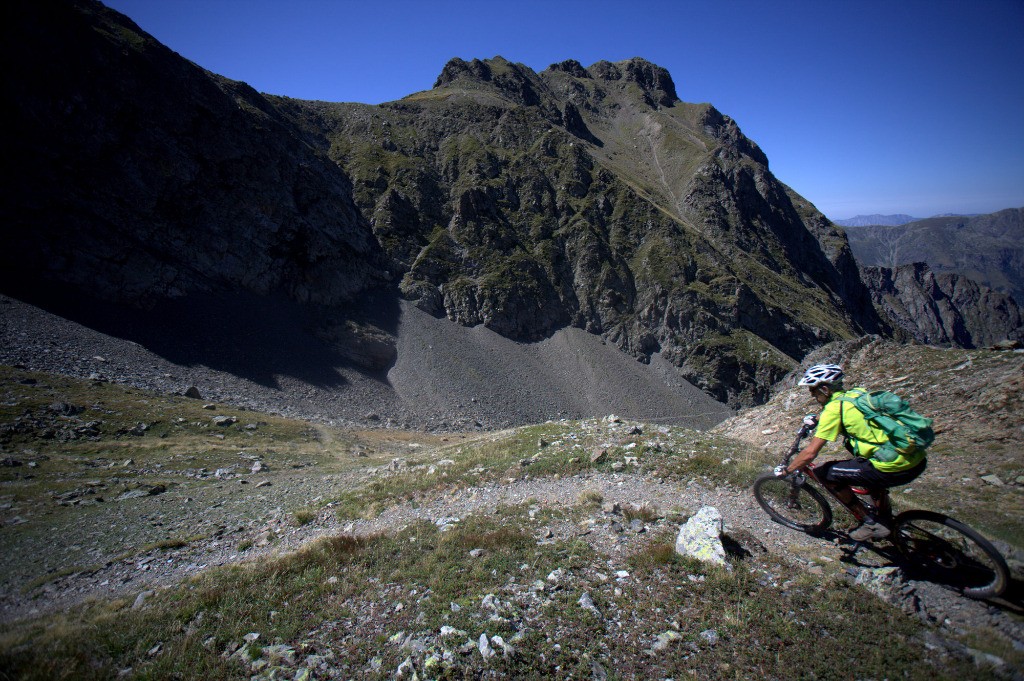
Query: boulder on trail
(701, 537)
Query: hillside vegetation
(539, 551)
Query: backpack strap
(850, 442)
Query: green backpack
(907, 430)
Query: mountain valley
(427, 389)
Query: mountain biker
(841, 417)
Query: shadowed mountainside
(137, 175)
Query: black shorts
(859, 472)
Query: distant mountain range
(865, 220)
(892, 220)
(987, 248)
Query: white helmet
(822, 373)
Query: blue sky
(895, 106)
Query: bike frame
(868, 502)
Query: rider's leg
(838, 480)
(883, 507)
(879, 490)
(839, 476)
(846, 495)
(861, 473)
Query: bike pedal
(857, 546)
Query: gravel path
(230, 510)
(744, 521)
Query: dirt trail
(743, 520)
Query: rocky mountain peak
(572, 67)
(517, 80)
(654, 80)
(724, 129)
(457, 68)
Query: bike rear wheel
(794, 504)
(945, 551)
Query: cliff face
(137, 176)
(593, 197)
(942, 308)
(527, 202)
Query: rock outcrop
(943, 308)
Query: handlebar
(808, 425)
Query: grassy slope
(362, 606)
(767, 622)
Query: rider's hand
(810, 420)
(780, 471)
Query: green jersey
(839, 418)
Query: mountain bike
(934, 546)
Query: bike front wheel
(945, 551)
(793, 503)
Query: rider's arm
(806, 454)
(830, 424)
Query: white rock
(664, 639)
(506, 649)
(451, 631)
(587, 603)
(141, 599)
(406, 670)
(701, 537)
(710, 636)
(484, 646)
